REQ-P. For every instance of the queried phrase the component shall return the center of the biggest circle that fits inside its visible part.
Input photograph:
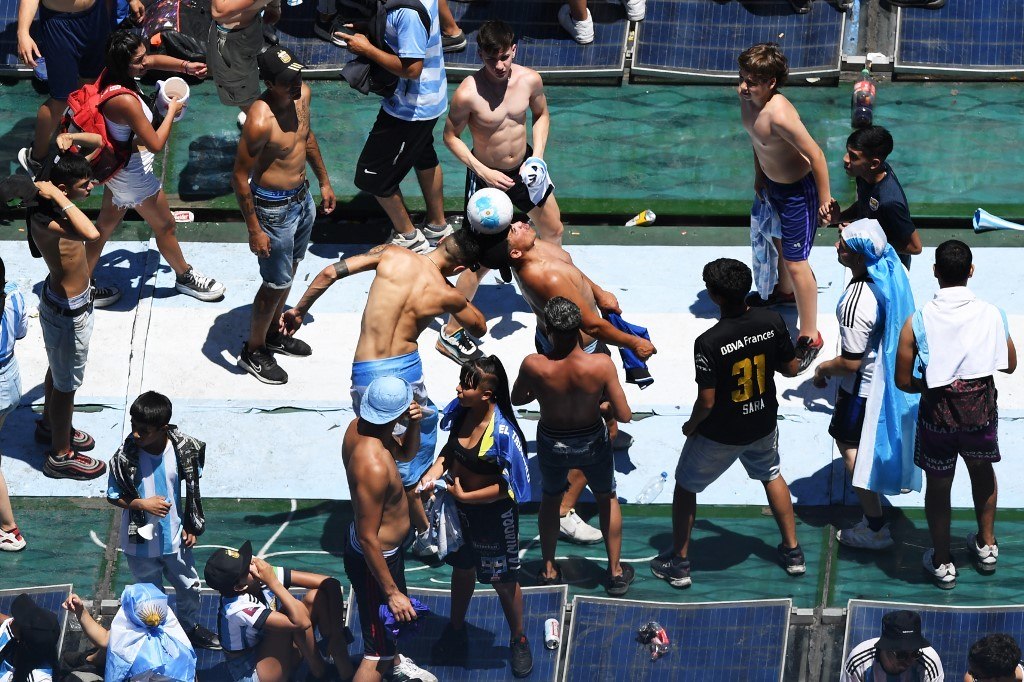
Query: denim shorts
(67, 345)
(10, 388)
(243, 668)
(134, 183)
(589, 450)
(289, 227)
(704, 460)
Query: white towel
(965, 338)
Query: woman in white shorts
(135, 185)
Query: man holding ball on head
(493, 102)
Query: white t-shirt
(6, 670)
(862, 665)
(857, 312)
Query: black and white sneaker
(520, 658)
(203, 638)
(455, 43)
(31, 166)
(322, 27)
(792, 559)
(198, 285)
(672, 569)
(262, 365)
(460, 346)
(104, 296)
(288, 345)
(807, 350)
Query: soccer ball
(489, 211)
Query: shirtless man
(71, 35)
(493, 102)
(790, 171)
(273, 192)
(373, 554)
(408, 292)
(236, 37)
(544, 271)
(570, 385)
(57, 232)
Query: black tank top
(468, 457)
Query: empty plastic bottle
(863, 102)
(652, 489)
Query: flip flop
(557, 580)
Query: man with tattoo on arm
(408, 292)
(273, 193)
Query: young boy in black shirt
(879, 193)
(734, 415)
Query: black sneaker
(288, 345)
(73, 465)
(322, 27)
(31, 166)
(452, 647)
(672, 569)
(460, 346)
(104, 296)
(262, 365)
(776, 298)
(520, 659)
(197, 285)
(800, 6)
(792, 559)
(202, 638)
(619, 585)
(455, 43)
(806, 351)
(80, 440)
(270, 36)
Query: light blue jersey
(424, 98)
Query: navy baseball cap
(227, 567)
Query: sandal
(557, 580)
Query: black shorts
(848, 418)
(519, 193)
(393, 148)
(377, 642)
(491, 533)
(231, 59)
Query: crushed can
(653, 636)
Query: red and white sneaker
(11, 540)
(73, 465)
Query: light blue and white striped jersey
(158, 475)
(240, 618)
(13, 323)
(426, 97)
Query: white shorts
(704, 460)
(134, 183)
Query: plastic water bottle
(40, 69)
(863, 102)
(652, 489)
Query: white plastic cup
(172, 87)
(552, 633)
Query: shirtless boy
(493, 102)
(790, 171)
(373, 553)
(570, 385)
(408, 292)
(57, 232)
(273, 192)
(545, 271)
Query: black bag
(179, 28)
(363, 74)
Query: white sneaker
(422, 546)
(581, 31)
(415, 242)
(406, 669)
(435, 233)
(11, 540)
(574, 529)
(985, 557)
(862, 537)
(635, 9)
(944, 576)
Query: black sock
(875, 523)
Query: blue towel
(398, 628)
(501, 444)
(636, 369)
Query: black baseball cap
(276, 60)
(227, 567)
(38, 628)
(494, 252)
(901, 631)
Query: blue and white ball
(489, 211)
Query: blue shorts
(289, 227)
(589, 450)
(797, 206)
(410, 368)
(73, 45)
(848, 417)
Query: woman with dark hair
(484, 470)
(130, 121)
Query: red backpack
(84, 115)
